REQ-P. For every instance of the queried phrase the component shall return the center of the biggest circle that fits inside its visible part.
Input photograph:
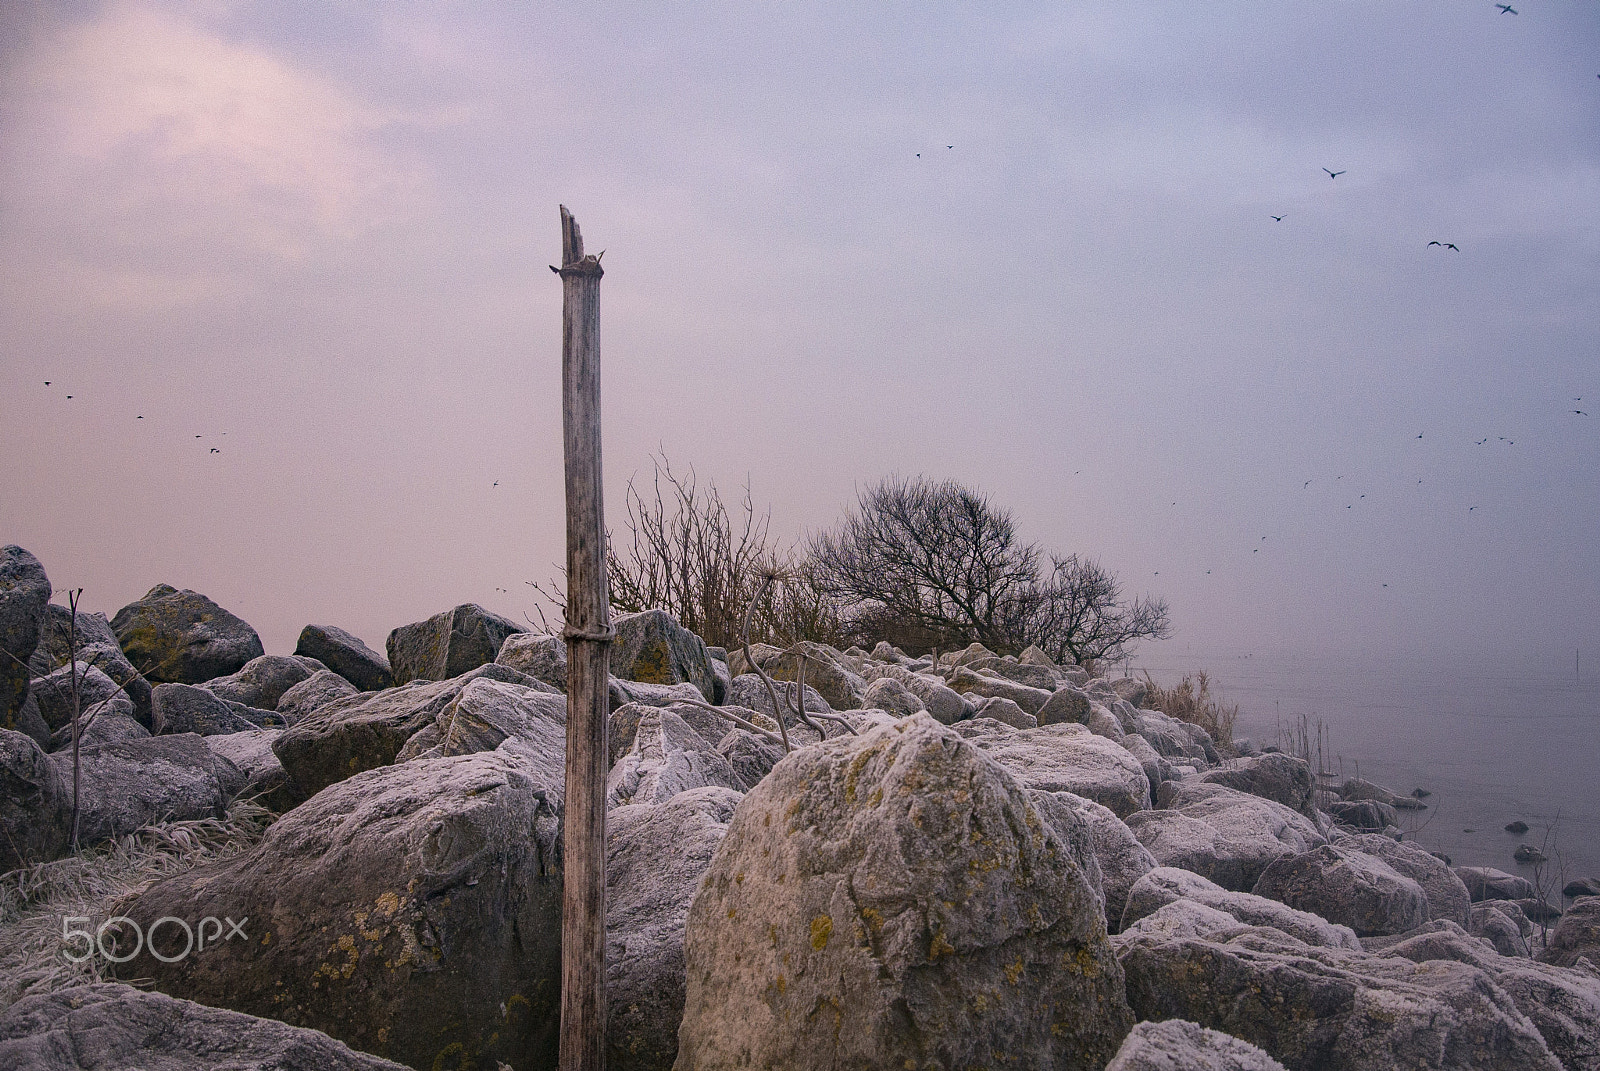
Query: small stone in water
(1518, 827)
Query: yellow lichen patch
(654, 664)
(874, 918)
(772, 934)
(1014, 972)
(388, 904)
(980, 1003)
(821, 930)
(876, 796)
(940, 947)
(383, 1035)
(852, 772)
(730, 912)
(783, 985)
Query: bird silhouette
(497, 483)
(1419, 434)
(47, 382)
(1333, 174)
(949, 146)
(138, 418)
(1305, 485)
(1471, 508)
(214, 450)
(1480, 442)
(1278, 218)
(1507, 9)
(1580, 412)
(1452, 245)
(69, 397)
(1436, 243)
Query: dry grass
(1191, 700)
(34, 901)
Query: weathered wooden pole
(588, 635)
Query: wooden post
(588, 634)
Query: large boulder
(312, 694)
(1065, 704)
(129, 784)
(1005, 712)
(1348, 887)
(368, 729)
(106, 726)
(1576, 935)
(1503, 924)
(944, 703)
(1447, 897)
(1177, 1045)
(1563, 1004)
(541, 657)
(262, 681)
(894, 898)
(448, 644)
(667, 757)
(1068, 758)
(1013, 669)
(825, 671)
(1487, 883)
(1221, 833)
(1315, 1007)
(106, 1026)
(346, 655)
(97, 645)
(886, 693)
(182, 637)
(98, 696)
(1364, 815)
(656, 856)
(422, 921)
(24, 594)
(264, 778)
(521, 719)
(1163, 885)
(981, 685)
(651, 647)
(1278, 777)
(1119, 856)
(750, 691)
(35, 804)
(189, 708)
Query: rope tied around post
(593, 636)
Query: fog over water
(290, 263)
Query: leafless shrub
(1191, 700)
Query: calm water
(1493, 743)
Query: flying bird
(214, 450)
(1452, 245)
(1507, 9)
(949, 146)
(1278, 218)
(1480, 442)
(138, 418)
(1580, 412)
(497, 483)
(1333, 174)
(1419, 434)
(47, 382)
(1305, 485)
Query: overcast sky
(1029, 247)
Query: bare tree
(711, 567)
(926, 564)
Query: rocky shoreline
(979, 861)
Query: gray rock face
(1347, 887)
(448, 644)
(1177, 1045)
(941, 701)
(667, 757)
(1221, 833)
(841, 686)
(1355, 789)
(98, 695)
(1281, 778)
(655, 858)
(368, 729)
(1487, 883)
(1156, 769)
(97, 645)
(24, 594)
(131, 783)
(541, 657)
(980, 685)
(1172, 739)
(1563, 1004)
(346, 655)
(110, 1026)
(1121, 859)
(182, 637)
(747, 690)
(35, 804)
(262, 681)
(622, 692)
(653, 648)
(1065, 704)
(1577, 934)
(312, 694)
(868, 893)
(1319, 1007)
(106, 727)
(886, 693)
(1131, 690)
(1581, 887)
(1012, 669)
(264, 778)
(422, 922)
(1363, 814)
(752, 757)
(1502, 924)
(188, 708)
(1005, 712)
(1164, 885)
(1069, 758)
(525, 722)
(1447, 897)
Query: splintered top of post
(572, 258)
